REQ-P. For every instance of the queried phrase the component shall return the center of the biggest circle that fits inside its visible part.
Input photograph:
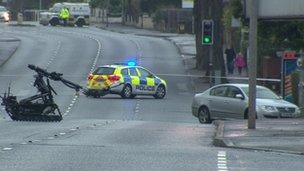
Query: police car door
(135, 81)
(146, 81)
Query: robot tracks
(37, 118)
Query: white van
(79, 14)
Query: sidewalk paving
(275, 135)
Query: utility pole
(40, 7)
(252, 63)
(107, 13)
(123, 12)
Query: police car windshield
(104, 71)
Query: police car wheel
(127, 92)
(160, 92)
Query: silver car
(231, 101)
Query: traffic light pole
(252, 63)
(211, 71)
(207, 40)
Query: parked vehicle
(4, 14)
(231, 101)
(79, 14)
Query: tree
(150, 6)
(134, 8)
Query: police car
(125, 80)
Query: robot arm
(55, 77)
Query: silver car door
(234, 106)
(216, 101)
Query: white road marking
(62, 133)
(7, 149)
(222, 161)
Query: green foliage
(115, 6)
(233, 9)
(227, 15)
(151, 6)
(280, 35)
(159, 16)
(97, 3)
(236, 8)
(272, 35)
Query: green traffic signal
(207, 32)
(207, 40)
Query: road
(111, 133)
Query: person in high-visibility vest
(64, 15)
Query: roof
(238, 85)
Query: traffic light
(207, 32)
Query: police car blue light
(131, 63)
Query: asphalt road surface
(111, 133)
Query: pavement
(276, 135)
(8, 46)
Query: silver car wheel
(203, 115)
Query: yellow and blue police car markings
(143, 86)
(143, 81)
(127, 79)
(157, 81)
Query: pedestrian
(240, 62)
(230, 56)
